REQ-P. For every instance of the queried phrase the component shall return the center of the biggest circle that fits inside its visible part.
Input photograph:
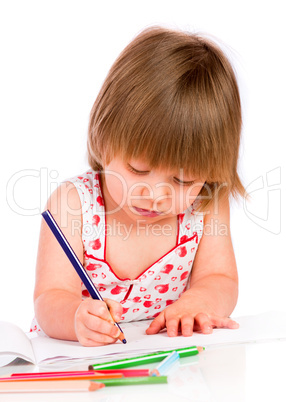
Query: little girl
(150, 219)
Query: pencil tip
(124, 340)
(93, 386)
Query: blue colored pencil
(94, 293)
(165, 365)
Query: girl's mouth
(146, 212)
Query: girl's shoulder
(88, 186)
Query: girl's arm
(59, 308)
(213, 290)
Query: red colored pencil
(125, 372)
(41, 373)
(128, 373)
(49, 377)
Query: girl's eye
(183, 183)
(133, 170)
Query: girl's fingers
(115, 309)
(94, 324)
(224, 322)
(87, 337)
(99, 325)
(172, 325)
(203, 323)
(187, 325)
(156, 325)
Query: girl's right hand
(94, 322)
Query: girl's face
(145, 194)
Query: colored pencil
(125, 372)
(60, 377)
(166, 364)
(128, 373)
(94, 293)
(134, 381)
(146, 359)
(39, 373)
(51, 386)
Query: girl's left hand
(183, 320)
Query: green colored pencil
(133, 381)
(145, 359)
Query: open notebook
(43, 350)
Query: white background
(54, 58)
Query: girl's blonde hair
(172, 98)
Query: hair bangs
(171, 99)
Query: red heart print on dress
(92, 267)
(181, 251)
(175, 289)
(136, 299)
(183, 239)
(184, 275)
(151, 272)
(143, 289)
(188, 226)
(85, 180)
(173, 278)
(95, 220)
(162, 288)
(157, 307)
(125, 309)
(180, 267)
(95, 244)
(103, 275)
(118, 289)
(167, 268)
(147, 297)
(168, 302)
(100, 201)
(148, 303)
(135, 310)
(94, 275)
(102, 289)
(85, 292)
(158, 277)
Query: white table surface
(246, 372)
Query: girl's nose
(159, 193)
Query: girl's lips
(146, 212)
